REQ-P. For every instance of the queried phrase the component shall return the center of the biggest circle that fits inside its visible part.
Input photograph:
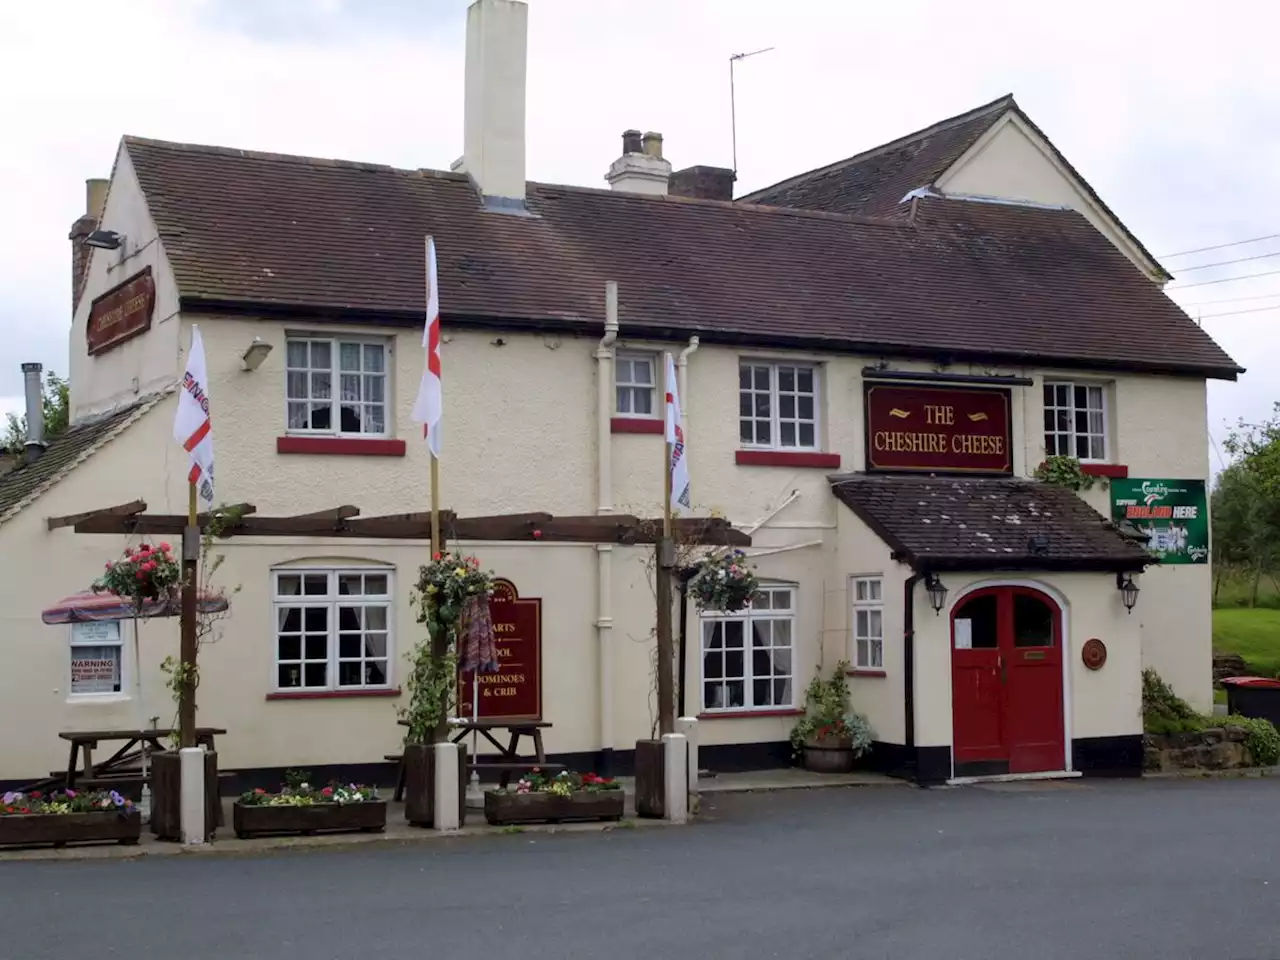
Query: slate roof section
(963, 281)
(938, 523)
(875, 181)
(19, 487)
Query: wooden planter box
(166, 795)
(60, 829)
(828, 756)
(507, 808)
(420, 784)
(651, 779)
(369, 816)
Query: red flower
(141, 575)
(259, 791)
(128, 551)
(165, 547)
(435, 556)
(327, 791)
(35, 794)
(108, 566)
(537, 534)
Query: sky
(1168, 109)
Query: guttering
(604, 506)
(875, 373)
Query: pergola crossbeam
(120, 510)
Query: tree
(1246, 501)
(57, 414)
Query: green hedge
(1163, 712)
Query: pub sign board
(122, 312)
(515, 691)
(930, 429)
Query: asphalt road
(1102, 869)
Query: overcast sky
(1168, 109)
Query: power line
(1220, 246)
(1235, 313)
(1225, 263)
(1208, 303)
(1205, 283)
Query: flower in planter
(562, 784)
(63, 802)
(725, 582)
(304, 795)
(828, 719)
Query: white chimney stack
(493, 138)
(641, 168)
(35, 444)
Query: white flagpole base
(447, 814)
(676, 777)
(191, 760)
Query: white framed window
(868, 623)
(1075, 420)
(635, 382)
(332, 629)
(778, 405)
(336, 386)
(97, 658)
(747, 659)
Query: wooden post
(188, 648)
(439, 639)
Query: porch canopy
(940, 523)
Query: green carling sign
(1172, 513)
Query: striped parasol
(89, 606)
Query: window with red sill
(336, 387)
(747, 656)
(332, 629)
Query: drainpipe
(35, 444)
(682, 378)
(909, 669)
(604, 506)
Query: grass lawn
(1254, 634)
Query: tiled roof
(875, 181)
(963, 523)
(65, 452)
(962, 280)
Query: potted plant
(445, 587)
(302, 808)
(723, 581)
(830, 736)
(538, 798)
(68, 816)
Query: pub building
(874, 357)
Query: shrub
(1262, 740)
(1163, 711)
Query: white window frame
(775, 417)
(747, 617)
(126, 666)
(331, 600)
(1073, 435)
(867, 593)
(335, 342)
(655, 371)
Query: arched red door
(1006, 682)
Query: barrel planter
(60, 829)
(829, 755)
(420, 784)
(256, 820)
(166, 795)
(503, 808)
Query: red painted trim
(745, 714)
(331, 694)
(786, 458)
(865, 673)
(341, 446)
(1116, 471)
(636, 425)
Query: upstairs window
(635, 383)
(1075, 420)
(336, 387)
(778, 406)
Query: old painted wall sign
(938, 429)
(122, 312)
(515, 691)
(1094, 653)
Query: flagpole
(666, 560)
(187, 650)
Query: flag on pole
(679, 466)
(428, 409)
(191, 426)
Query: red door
(1006, 683)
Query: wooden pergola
(346, 522)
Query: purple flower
(11, 797)
(116, 798)
(70, 794)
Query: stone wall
(1229, 665)
(1220, 748)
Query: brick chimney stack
(704, 183)
(95, 201)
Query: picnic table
(121, 765)
(508, 761)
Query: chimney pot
(35, 411)
(653, 145)
(95, 198)
(630, 142)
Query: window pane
(375, 645)
(861, 589)
(762, 378)
(1081, 396)
(782, 692)
(315, 619)
(782, 661)
(316, 647)
(1032, 622)
(289, 648)
(349, 357)
(875, 625)
(761, 664)
(374, 357)
(297, 386)
(760, 693)
(348, 618)
(321, 355)
(295, 353)
(781, 599)
(1096, 449)
(763, 432)
(862, 623)
(875, 589)
(373, 388)
(734, 693)
(321, 386)
(744, 378)
(787, 405)
(375, 672)
(288, 675)
(642, 372)
(787, 378)
(315, 674)
(289, 619)
(316, 584)
(375, 618)
(863, 653)
(375, 584)
(350, 386)
(804, 380)
(761, 633)
(321, 416)
(288, 585)
(712, 635)
(877, 653)
(1048, 420)
(348, 646)
(1082, 448)
(807, 435)
(746, 433)
(624, 399)
(805, 407)
(980, 612)
(786, 434)
(350, 584)
(642, 401)
(95, 669)
(762, 404)
(350, 674)
(298, 419)
(1048, 395)
(734, 663)
(712, 666)
(733, 633)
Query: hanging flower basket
(725, 582)
(144, 574)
